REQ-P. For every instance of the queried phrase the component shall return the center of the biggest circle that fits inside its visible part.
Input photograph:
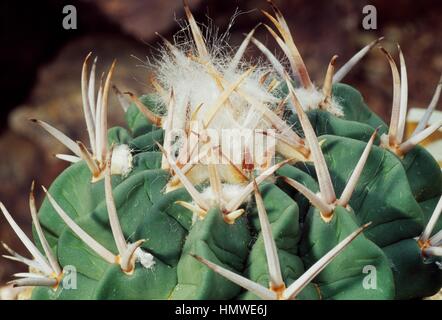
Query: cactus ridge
(140, 218)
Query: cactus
(162, 210)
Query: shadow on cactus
(238, 179)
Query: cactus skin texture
(275, 243)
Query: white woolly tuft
(230, 191)
(311, 98)
(193, 83)
(121, 160)
(145, 258)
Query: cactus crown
(297, 207)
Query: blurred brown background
(41, 65)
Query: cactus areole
(238, 179)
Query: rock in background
(143, 18)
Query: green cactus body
(160, 230)
(145, 212)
